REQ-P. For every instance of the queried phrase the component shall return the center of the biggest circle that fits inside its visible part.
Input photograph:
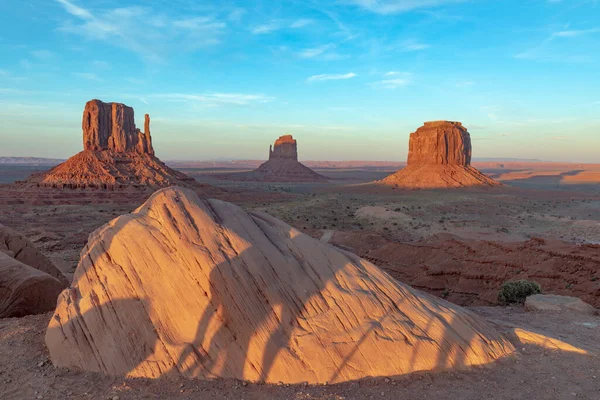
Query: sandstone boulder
(204, 289)
(29, 283)
(21, 249)
(551, 302)
(439, 156)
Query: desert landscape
(457, 241)
(346, 200)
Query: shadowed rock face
(285, 148)
(111, 126)
(29, 283)
(440, 143)
(204, 289)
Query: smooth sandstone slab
(204, 289)
(551, 302)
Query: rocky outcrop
(285, 148)
(111, 126)
(116, 155)
(204, 289)
(21, 249)
(440, 143)
(29, 283)
(439, 156)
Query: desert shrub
(517, 292)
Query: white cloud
(398, 6)
(142, 30)
(331, 77)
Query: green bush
(517, 292)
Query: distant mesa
(116, 154)
(439, 156)
(203, 289)
(282, 166)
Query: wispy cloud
(413, 45)
(391, 83)
(276, 25)
(141, 29)
(265, 28)
(574, 33)
(399, 6)
(87, 75)
(325, 52)
(300, 23)
(215, 99)
(463, 84)
(331, 77)
(393, 80)
(42, 54)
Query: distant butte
(116, 154)
(439, 156)
(282, 166)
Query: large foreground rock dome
(204, 289)
(439, 156)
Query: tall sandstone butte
(440, 143)
(204, 289)
(282, 165)
(116, 154)
(439, 156)
(111, 126)
(285, 148)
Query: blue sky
(350, 79)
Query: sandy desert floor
(457, 244)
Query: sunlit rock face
(439, 156)
(111, 126)
(204, 289)
(440, 143)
